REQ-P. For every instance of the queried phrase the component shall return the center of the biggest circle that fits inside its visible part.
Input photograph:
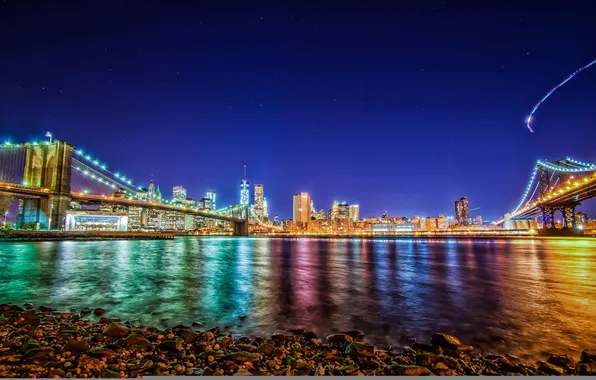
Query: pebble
(45, 343)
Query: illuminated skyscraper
(259, 201)
(157, 195)
(151, 190)
(354, 212)
(244, 190)
(343, 210)
(265, 208)
(179, 194)
(212, 195)
(462, 211)
(301, 209)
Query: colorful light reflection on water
(526, 297)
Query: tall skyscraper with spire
(244, 190)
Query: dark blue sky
(403, 108)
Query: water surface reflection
(519, 296)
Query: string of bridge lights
(586, 168)
(104, 167)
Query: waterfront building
(431, 224)
(136, 218)
(581, 218)
(265, 208)
(244, 190)
(354, 212)
(189, 222)
(189, 202)
(154, 219)
(392, 227)
(462, 211)
(301, 209)
(478, 220)
(211, 195)
(172, 221)
(179, 195)
(276, 220)
(442, 222)
(86, 220)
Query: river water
(524, 297)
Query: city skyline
(426, 112)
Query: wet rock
(171, 345)
(241, 356)
(99, 312)
(348, 369)
(550, 369)
(586, 369)
(29, 346)
(433, 349)
(360, 349)
(588, 356)
(355, 334)
(77, 346)
(37, 355)
(445, 341)
(137, 341)
(425, 359)
(58, 372)
(564, 361)
(409, 370)
(246, 347)
(188, 336)
(45, 309)
(30, 317)
(339, 338)
(265, 349)
(101, 352)
(115, 330)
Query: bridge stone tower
(48, 166)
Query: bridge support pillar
(30, 214)
(569, 216)
(48, 166)
(240, 228)
(548, 217)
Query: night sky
(403, 108)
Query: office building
(342, 210)
(462, 211)
(205, 204)
(265, 208)
(179, 195)
(259, 201)
(211, 195)
(244, 190)
(354, 213)
(189, 202)
(301, 210)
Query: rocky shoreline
(52, 344)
